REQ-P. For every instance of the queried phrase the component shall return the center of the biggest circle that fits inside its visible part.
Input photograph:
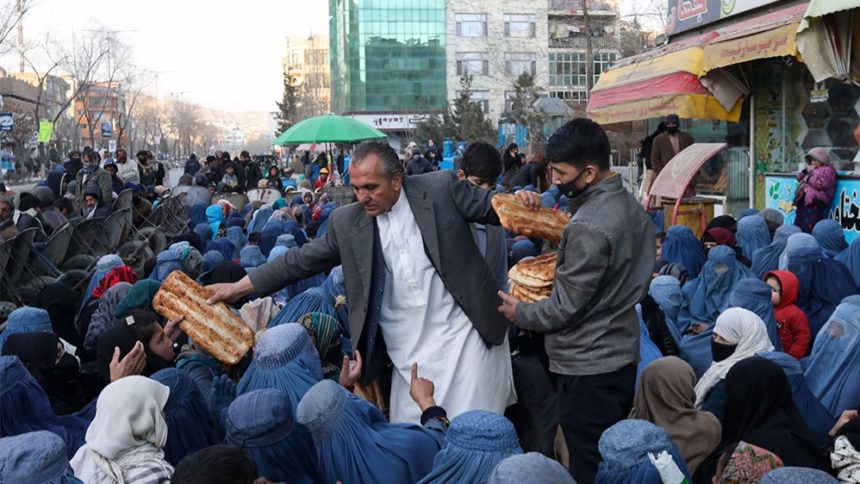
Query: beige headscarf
(665, 398)
(738, 326)
(125, 440)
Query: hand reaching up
(132, 364)
(350, 372)
(421, 390)
(221, 395)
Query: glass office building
(387, 55)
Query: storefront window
(831, 119)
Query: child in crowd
(230, 182)
(792, 322)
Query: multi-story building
(569, 33)
(494, 41)
(234, 140)
(55, 94)
(307, 61)
(388, 61)
(97, 115)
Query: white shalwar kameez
(422, 323)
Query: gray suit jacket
(443, 207)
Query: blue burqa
(262, 423)
(704, 299)
(356, 443)
(833, 369)
(666, 292)
(682, 246)
(755, 295)
(752, 235)
(824, 282)
(284, 359)
(850, 258)
(624, 450)
(766, 259)
(186, 415)
(830, 237)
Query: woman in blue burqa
(704, 299)
(824, 282)
(755, 295)
(682, 246)
(766, 259)
(833, 369)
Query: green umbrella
(328, 128)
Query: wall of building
(500, 55)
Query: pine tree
(288, 108)
(464, 121)
(526, 94)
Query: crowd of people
(388, 348)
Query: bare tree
(82, 59)
(131, 85)
(12, 13)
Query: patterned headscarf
(323, 329)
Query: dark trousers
(535, 414)
(588, 405)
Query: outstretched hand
(421, 390)
(221, 395)
(350, 372)
(509, 306)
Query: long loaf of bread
(214, 327)
(545, 223)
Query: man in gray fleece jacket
(604, 268)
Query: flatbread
(535, 273)
(214, 327)
(545, 223)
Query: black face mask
(721, 351)
(569, 189)
(672, 130)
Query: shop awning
(769, 35)
(828, 39)
(656, 83)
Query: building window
(472, 63)
(567, 69)
(517, 63)
(471, 24)
(580, 97)
(480, 97)
(602, 61)
(519, 25)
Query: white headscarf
(738, 326)
(125, 439)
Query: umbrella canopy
(328, 128)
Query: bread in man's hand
(545, 223)
(213, 327)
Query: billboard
(690, 14)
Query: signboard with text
(7, 122)
(690, 14)
(845, 207)
(390, 122)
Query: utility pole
(589, 51)
(20, 11)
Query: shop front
(765, 104)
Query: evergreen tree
(526, 94)
(289, 106)
(464, 121)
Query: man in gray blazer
(442, 207)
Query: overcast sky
(219, 53)
(223, 54)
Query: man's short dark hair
(219, 464)
(390, 161)
(63, 203)
(579, 142)
(482, 160)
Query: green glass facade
(387, 55)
